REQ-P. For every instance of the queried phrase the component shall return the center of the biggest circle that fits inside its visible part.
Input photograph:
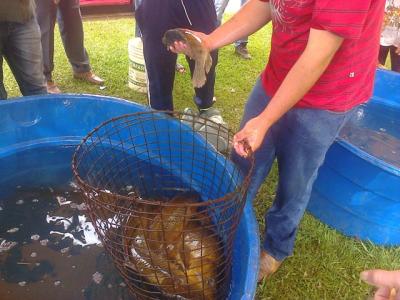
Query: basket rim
(81, 182)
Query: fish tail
(199, 75)
(208, 63)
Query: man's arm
(321, 48)
(250, 18)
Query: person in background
(321, 66)
(387, 283)
(72, 35)
(160, 63)
(137, 29)
(241, 44)
(390, 36)
(20, 46)
(178, 67)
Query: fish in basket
(174, 247)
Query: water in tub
(379, 135)
(49, 249)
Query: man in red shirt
(321, 66)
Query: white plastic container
(137, 79)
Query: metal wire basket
(164, 201)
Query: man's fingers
(382, 293)
(238, 143)
(381, 278)
(178, 47)
(239, 149)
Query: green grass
(325, 265)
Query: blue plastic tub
(357, 190)
(38, 136)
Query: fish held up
(195, 50)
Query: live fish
(174, 248)
(195, 50)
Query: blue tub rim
(368, 157)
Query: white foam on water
(35, 237)
(13, 230)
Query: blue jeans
(71, 30)
(160, 63)
(137, 29)
(220, 6)
(394, 57)
(20, 46)
(299, 142)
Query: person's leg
(201, 16)
(383, 53)
(69, 20)
(71, 29)
(3, 39)
(204, 98)
(241, 44)
(46, 16)
(245, 39)
(137, 29)
(220, 6)
(303, 138)
(3, 92)
(160, 63)
(394, 59)
(23, 53)
(265, 155)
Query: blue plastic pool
(38, 136)
(357, 190)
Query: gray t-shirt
(20, 11)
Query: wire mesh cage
(164, 202)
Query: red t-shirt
(349, 78)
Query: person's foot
(189, 117)
(215, 133)
(89, 77)
(241, 50)
(268, 265)
(52, 88)
(212, 114)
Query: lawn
(325, 265)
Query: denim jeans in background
(394, 57)
(220, 6)
(69, 20)
(299, 142)
(137, 29)
(21, 48)
(197, 15)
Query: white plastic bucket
(137, 78)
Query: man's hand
(387, 282)
(321, 47)
(253, 133)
